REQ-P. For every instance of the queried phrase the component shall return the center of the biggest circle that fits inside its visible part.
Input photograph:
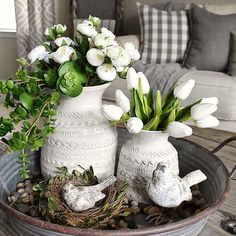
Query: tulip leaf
(152, 124)
(158, 108)
(147, 108)
(26, 100)
(171, 116)
(150, 98)
(185, 114)
(139, 112)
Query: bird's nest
(54, 209)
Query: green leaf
(171, 116)
(150, 98)
(84, 46)
(139, 107)
(10, 84)
(152, 124)
(51, 77)
(147, 109)
(158, 108)
(52, 205)
(26, 100)
(65, 67)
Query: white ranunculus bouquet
(146, 111)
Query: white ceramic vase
(83, 136)
(140, 156)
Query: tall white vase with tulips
(152, 119)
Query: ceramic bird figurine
(169, 190)
(82, 198)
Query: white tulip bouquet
(147, 111)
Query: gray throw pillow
(232, 57)
(209, 40)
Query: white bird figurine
(82, 198)
(169, 190)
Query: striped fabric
(107, 23)
(164, 34)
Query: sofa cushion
(214, 84)
(232, 57)
(164, 34)
(209, 40)
(130, 19)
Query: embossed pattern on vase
(139, 157)
(83, 136)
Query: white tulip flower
(101, 41)
(63, 40)
(95, 57)
(123, 60)
(144, 83)
(132, 51)
(134, 125)
(211, 100)
(86, 28)
(122, 101)
(132, 79)
(62, 54)
(208, 122)
(38, 52)
(112, 112)
(114, 52)
(201, 111)
(106, 72)
(179, 130)
(183, 90)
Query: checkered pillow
(164, 34)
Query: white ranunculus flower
(114, 52)
(112, 112)
(208, 122)
(107, 33)
(132, 51)
(60, 29)
(95, 57)
(132, 79)
(38, 52)
(65, 40)
(123, 60)
(95, 21)
(62, 54)
(144, 82)
(178, 130)
(46, 32)
(122, 101)
(202, 110)
(120, 69)
(183, 89)
(106, 72)
(101, 41)
(134, 125)
(86, 28)
(211, 100)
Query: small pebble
(122, 224)
(20, 185)
(153, 210)
(21, 190)
(14, 198)
(29, 189)
(111, 222)
(28, 182)
(24, 208)
(23, 195)
(135, 209)
(145, 210)
(31, 199)
(9, 199)
(134, 203)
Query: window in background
(7, 16)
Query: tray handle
(220, 146)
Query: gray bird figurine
(82, 198)
(169, 190)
